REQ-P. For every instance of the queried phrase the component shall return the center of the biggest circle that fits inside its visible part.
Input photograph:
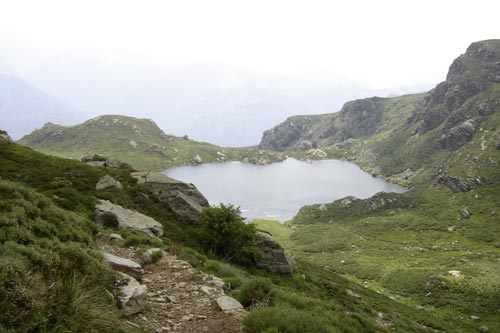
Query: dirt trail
(180, 297)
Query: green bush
(255, 292)
(156, 256)
(224, 233)
(193, 257)
(286, 320)
(108, 220)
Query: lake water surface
(277, 191)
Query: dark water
(277, 191)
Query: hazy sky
(378, 43)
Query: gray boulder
(130, 295)
(227, 303)
(131, 219)
(464, 212)
(123, 265)
(183, 198)
(274, 259)
(107, 181)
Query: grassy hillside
(435, 248)
(46, 227)
(139, 142)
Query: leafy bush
(108, 220)
(255, 292)
(224, 233)
(193, 257)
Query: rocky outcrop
(4, 136)
(131, 219)
(130, 295)
(108, 182)
(183, 198)
(97, 160)
(274, 259)
(469, 74)
(123, 265)
(459, 135)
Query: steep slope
(139, 142)
(435, 247)
(24, 108)
(389, 136)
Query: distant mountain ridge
(24, 107)
(139, 142)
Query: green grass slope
(139, 142)
(445, 145)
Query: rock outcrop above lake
(131, 219)
(183, 198)
(274, 259)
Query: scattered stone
(464, 212)
(274, 259)
(216, 282)
(107, 181)
(122, 264)
(131, 219)
(196, 159)
(475, 318)
(420, 307)
(131, 296)
(455, 274)
(115, 237)
(352, 293)
(483, 329)
(227, 303)
(187, 318)
(147, 256)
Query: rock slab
(122, 264)
(131, 219)
(227, 303)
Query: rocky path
(180, 298)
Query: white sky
(380, 43)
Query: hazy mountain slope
(209, 102)
(139, 142)
(24, 108)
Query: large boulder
(130, 295)
(274, 259)
(131, 219)
(107, 181)
(183, 198)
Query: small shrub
(108, 220)
(156, 256)
(139, 239)
(255, 292)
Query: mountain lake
(277, 191)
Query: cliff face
(391, 135)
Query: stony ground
(180, 298)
